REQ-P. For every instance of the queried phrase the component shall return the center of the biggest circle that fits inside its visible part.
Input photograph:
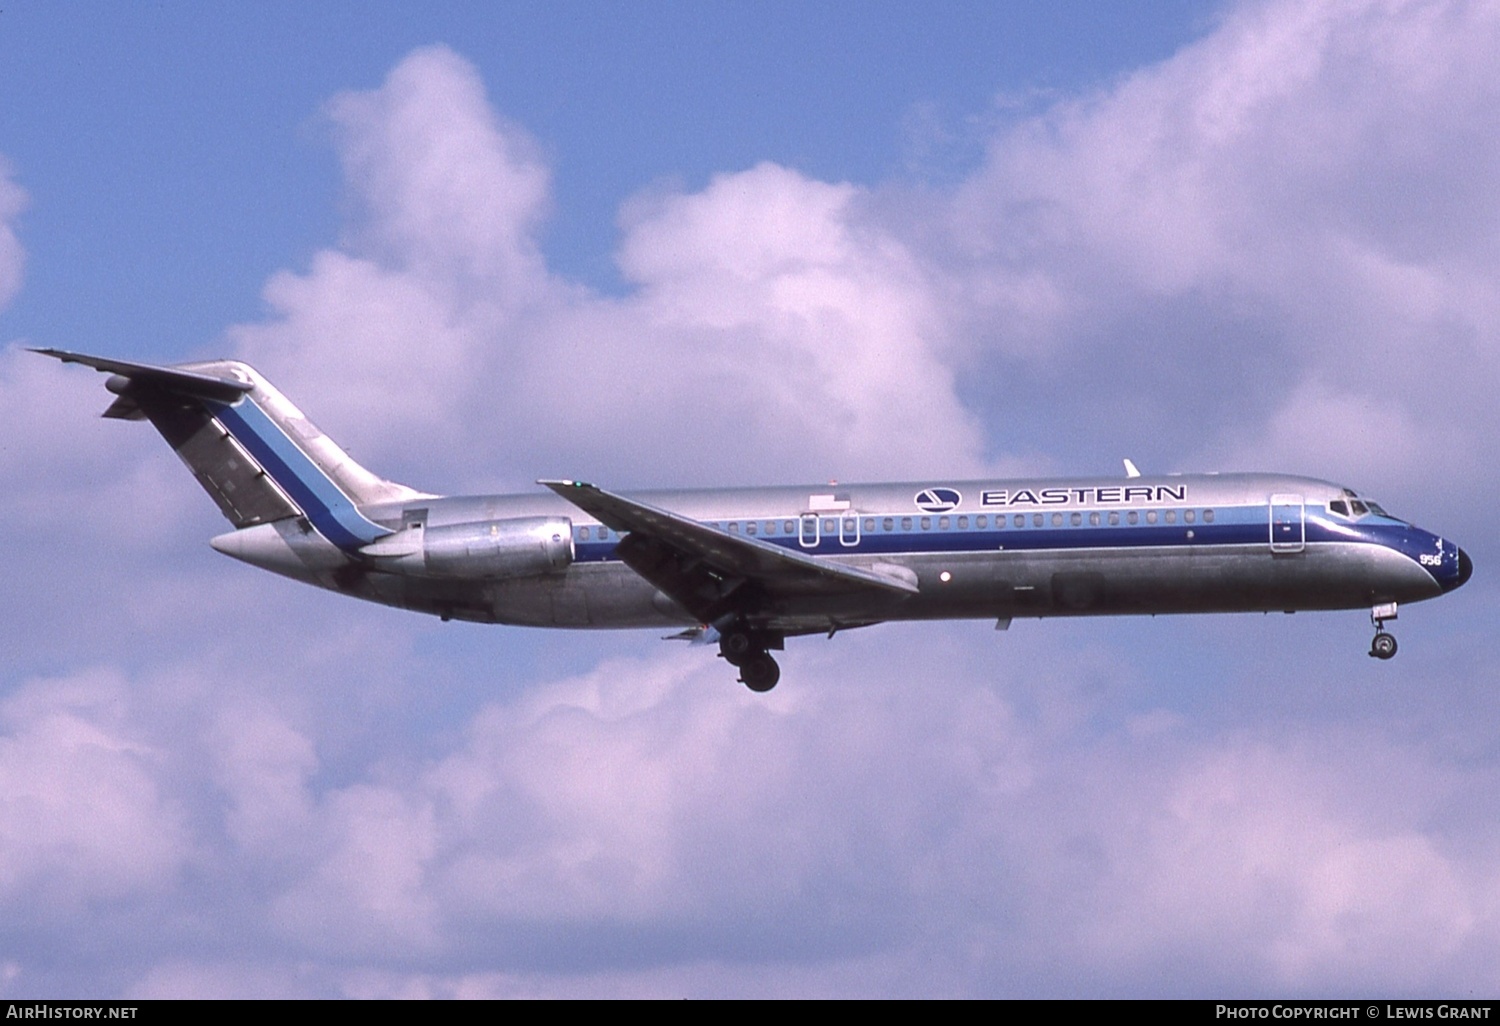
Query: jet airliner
(748, 568)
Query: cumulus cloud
(648, 828)
(1299, 202)
(774, 327)
(86, 813)
(1283, 233)
(1249, 857)
(12, 256)
(452, 193)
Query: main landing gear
(747, 652)
(1384, 645)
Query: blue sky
(620, 96)
(748, 243)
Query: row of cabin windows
(981, 522)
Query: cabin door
(1288, 523)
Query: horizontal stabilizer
(169, 379)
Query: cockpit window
(1352, 507)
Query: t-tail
(250, 448)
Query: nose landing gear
(1384, 645)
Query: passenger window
(790, 527)
(1077, 519)
(583, 534)
(734, 527)
(1208, 516)
(888, 524)
(982, 522)
(1133, 517)
(963, 523)
(869, 525)
(849, 525)
(1093, 519)
(1036, 520)
(1151, 516)
(750, 527)
(1171, 516)
(770, 527)
(829, 526)
(906, 523)
(1114, 519)
(1188, 516)
(942, 523)
(926, 523)
(1020, 520)
(1057, 520)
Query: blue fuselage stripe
(326, 506)
(1241, 526)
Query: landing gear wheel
(736, 647)
(759, 672)
(1384, 646)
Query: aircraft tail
(251, 449)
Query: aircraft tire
(1384, 646)
(759, 672)
(737, 647)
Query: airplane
(747, 568)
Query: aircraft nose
(1457, 573)
(1465, 571)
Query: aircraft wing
(702, 568)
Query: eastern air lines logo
(937, 500)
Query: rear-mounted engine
(487, 549)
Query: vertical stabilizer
(254, 452)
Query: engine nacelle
(517, 547)
(482, 550)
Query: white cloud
(454, 195)
(650, 828)
(1278, 861)
(12, 255)
(916, 810)
(59, 455)
(264, 770)
(1298, 202)
(85, 815)
(775, 328)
